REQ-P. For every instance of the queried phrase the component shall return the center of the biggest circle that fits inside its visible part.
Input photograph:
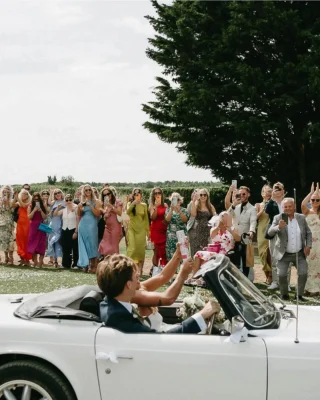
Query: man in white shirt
(292, 245)
(118, 278)
(244, 219)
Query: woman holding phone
(89, 210)
(313, 219)
(158, 227)
(37, 240)
(113, 229)
(176, 217)
(201, 211)
(138, 229)
(23, 226)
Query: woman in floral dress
(176, 217)
(313, 218)
(201, 212)
(6, 224)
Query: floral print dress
(313, 282)
(6, 229)
(226, 242)
(175, 225)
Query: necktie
(143, 320)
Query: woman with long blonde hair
(23, 226)
(201, 211)
(313, 218)
(138, 229)
(6, 224)
(54, 246)
(89, 210)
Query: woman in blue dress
(89, 211)
(54, 247)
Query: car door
(179, 366)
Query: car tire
(16, 376)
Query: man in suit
(244, 218)
(293, 240)
(118, 278)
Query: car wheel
(31, 380)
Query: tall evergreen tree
(240, 91)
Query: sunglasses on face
(67, 200)
(27, 189)
(87, 190)
(155, 193)
(277, 188)
(45, 193)
(57, 193)
(243, 194)
(203, 195)
(315, 200)
(107, 194)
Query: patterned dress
(112, 233)
(199, 234)
(175, 225)
(224, 240)
(313, 282)
(6, 229)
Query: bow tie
(242, 206)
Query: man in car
(118, 278)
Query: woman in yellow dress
(138, 229)
(263, 243)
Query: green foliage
(67, 180)
(52, 179)
(241, 89)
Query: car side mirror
(239, 332)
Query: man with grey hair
(292, 245)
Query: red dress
(158, 234)
(23, 226)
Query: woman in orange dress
(158, 227)
(23, 225)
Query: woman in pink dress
(158, 227)
(113, 229)
(37, 240)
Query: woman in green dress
(176, 217)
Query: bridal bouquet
(195, 303)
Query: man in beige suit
(244, 218)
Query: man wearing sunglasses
(244, 219)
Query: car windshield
(252, 305)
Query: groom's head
(118, 275)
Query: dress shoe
(274, 285)
(302, 299)
(285, 297)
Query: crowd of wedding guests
(76, 231)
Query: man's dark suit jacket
(115, 315)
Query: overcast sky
(73, 76)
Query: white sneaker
(289, 288)
(274, 285)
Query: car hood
(308, 323)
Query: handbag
(149, 245)
(45, 228)
(249, 255)
(156, 270)
(119, 219)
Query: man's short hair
(245, 188)
(286, 199)
(113, 273)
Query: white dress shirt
(197, 317)
(294, 237)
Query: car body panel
(161, 366)
(68, 345)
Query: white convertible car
(54, 347)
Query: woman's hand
(75, 235)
